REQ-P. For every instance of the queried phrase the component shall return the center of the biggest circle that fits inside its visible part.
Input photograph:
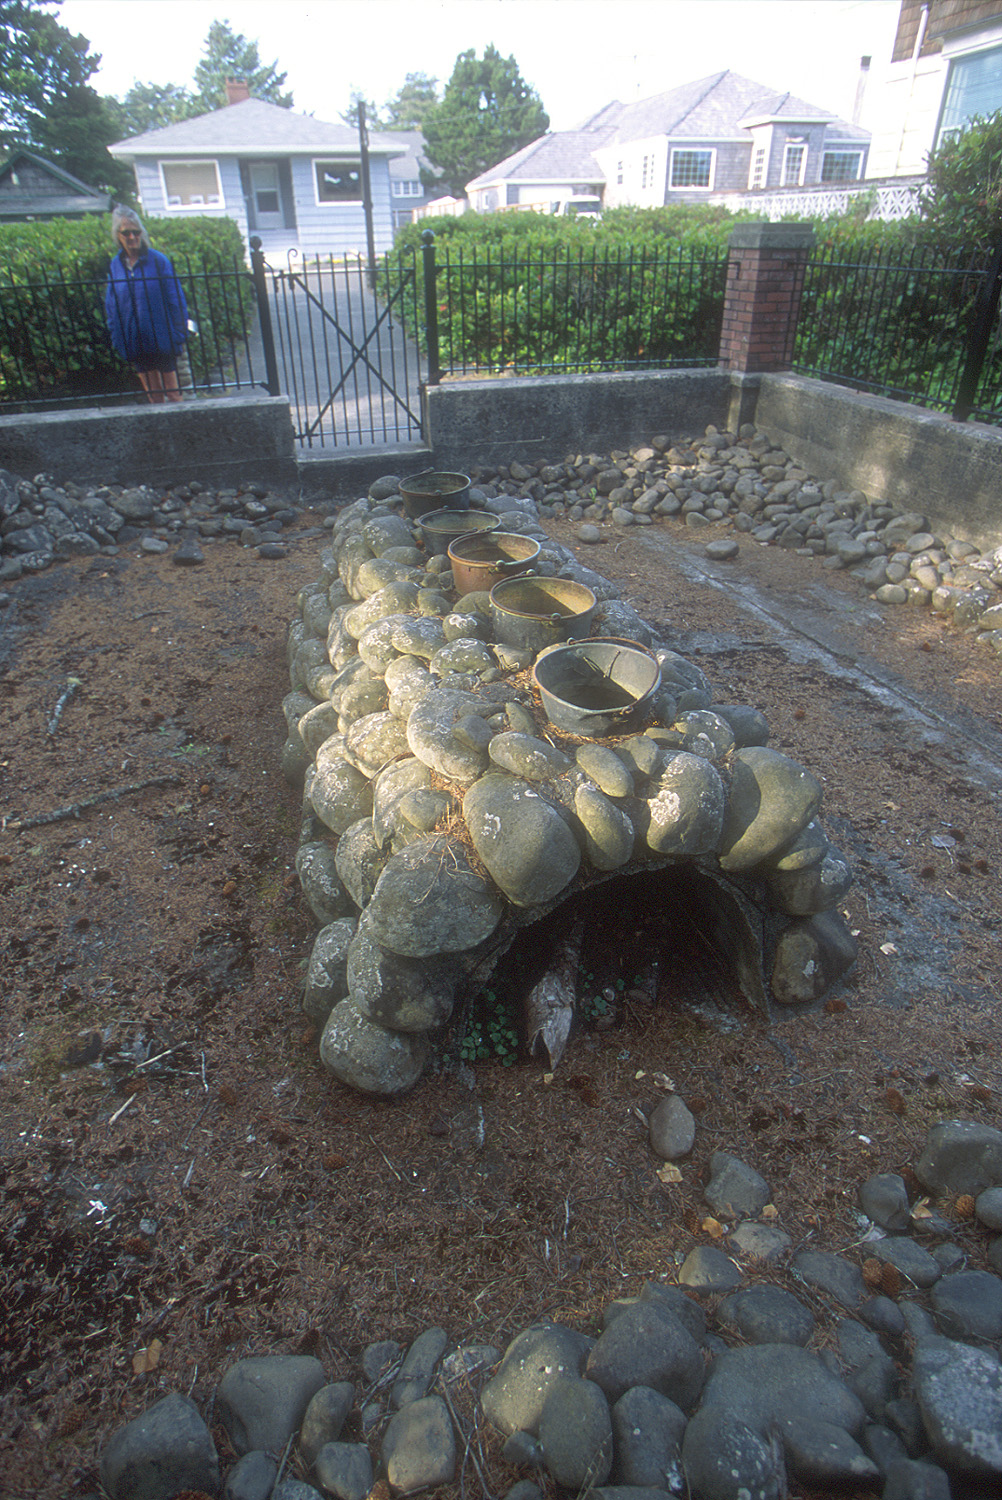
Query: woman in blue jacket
(145, 306)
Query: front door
(265, 195)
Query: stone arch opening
(678, 935)
(445, 813)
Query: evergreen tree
(76, 133)
(149, 106)
(486, 113)
(46, 102)
(228, 54)
(39, 62)
(350, 115)
(411, 103)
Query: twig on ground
(392, 1168)
(121, 1111)
(285, 1460)
(202, 1114)
(468, 1440)
(74, 809)
(72, 683)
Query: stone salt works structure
(443, 813)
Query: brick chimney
(237, 90)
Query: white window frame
(336, 161)
(172, 200)
(791, 146)
(756, 173)
(692, 187)
(406, 187)
(957, 60)
(841, 151)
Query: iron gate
(339, 350)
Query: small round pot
(533, 613)
(596, 687)
(481, 560)
(432, 490)
(440, 528)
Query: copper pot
(480, 561)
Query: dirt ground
(183, 1185)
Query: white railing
(892, 198)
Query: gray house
(406, 188)
(721, 134)
(33, 188)
(294, 181)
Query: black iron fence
(342, 354)
(922, 328)
(55, 350)
(567, 311)
(352, 346)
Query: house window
(406, 188)
(647, 171)
(191, 184)
(619, 173)
(691, 169)
(841, 166)
(974, 87)
(794, 162)
(757, 177)
(338, 181)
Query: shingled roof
(720, 107)
(252, 127)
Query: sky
(577, 54)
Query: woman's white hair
(122, 216)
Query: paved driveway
(344, 361)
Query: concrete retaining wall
(920, 460)
(217, 442)
(494, 421)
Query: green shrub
(962, 201)
(528, 292)
(53, 336)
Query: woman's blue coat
(146, 309)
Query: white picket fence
(892, 198)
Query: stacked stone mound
(442, 812)
(876, 1372)
(743, 480)
(42, 522)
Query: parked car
(582, 206)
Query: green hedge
(53, 336)
(523, 292)
(527, 292)
(887, 306)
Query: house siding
(816, 140)
(730, 171)
(318, 229)
(633, 147)
(906, 116)
(149, 183)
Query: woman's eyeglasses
(131, 234)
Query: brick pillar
(765, 278)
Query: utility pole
(370, 236)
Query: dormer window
(794, 163)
